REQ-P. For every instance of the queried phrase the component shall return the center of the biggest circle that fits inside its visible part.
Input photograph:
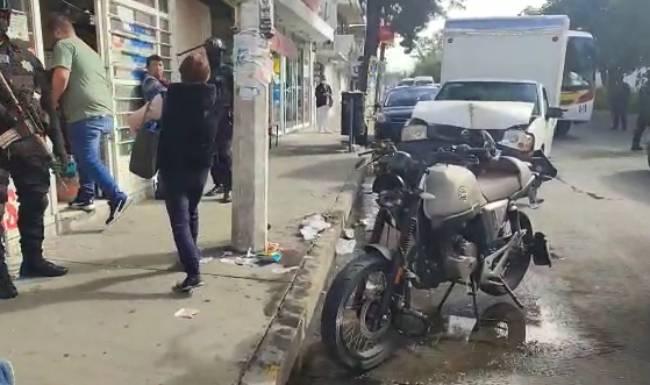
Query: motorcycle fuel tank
(456, 192)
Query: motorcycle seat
(503, 178)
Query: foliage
(620, 27)
(407, 18)
(428, 55)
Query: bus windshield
(580, 67)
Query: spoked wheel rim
(362, 330)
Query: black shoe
(636, 147)
(226, 197)
(83, 205)
(117, 208)
(190, 283)
(7, 288)
(213, 191)
(41, 268)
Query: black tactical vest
(21, 69)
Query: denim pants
(85, 140)
(6, 373)
(183, 194)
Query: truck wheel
(562, 129)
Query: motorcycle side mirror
(554, 113)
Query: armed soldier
(222, 77)
(24, 155)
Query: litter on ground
(272, 254)
(312, 226)
(345, 246)
(186, 313)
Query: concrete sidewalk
(111, 320)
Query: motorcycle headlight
(414, 131)
(381, 118)
(519, 140)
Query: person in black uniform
(222, 77)
(644, 116)
(24, 155)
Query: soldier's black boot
(41, 267)
(7, 288)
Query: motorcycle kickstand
(474, 294)
(512, 294)
(446, 296)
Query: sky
(398, 61)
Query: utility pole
(380, 74)
(250, 137)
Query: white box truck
(510, 49)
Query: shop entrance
(82, 15)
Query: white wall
(192, 24)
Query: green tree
(407, 18)
(428, 56)
(620, 28)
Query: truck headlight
(519, 140)
(414, 131)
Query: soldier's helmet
(215, 44)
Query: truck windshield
(580, 67)
(491, 92)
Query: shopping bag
(144, 155)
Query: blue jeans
(85, 140)
(182, 197)
(6, 373)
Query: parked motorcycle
(458, 221)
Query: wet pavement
(585, 321)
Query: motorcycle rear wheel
(375, 339)
(517, 265)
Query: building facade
(126, 32)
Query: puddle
(538, 343)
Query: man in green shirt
(81, 89)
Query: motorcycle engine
(461, 257)
(455, 259)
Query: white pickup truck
(502, 105)
(507, 62)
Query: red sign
(386, 34)
(10, 220)
(283, 45)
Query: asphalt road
(586, 320)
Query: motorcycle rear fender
(383, 250)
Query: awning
(283, 45)
(296, 17)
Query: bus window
(580, 67)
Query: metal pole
(380, 73)
(351, 128)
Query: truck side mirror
(554, 113)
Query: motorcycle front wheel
(352, 329)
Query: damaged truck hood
(476, 115)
